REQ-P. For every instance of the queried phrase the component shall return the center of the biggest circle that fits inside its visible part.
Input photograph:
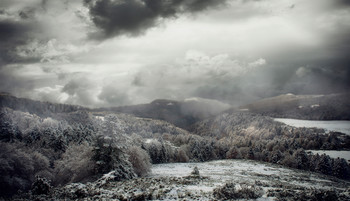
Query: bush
(233, 153)
(231, 191)
(18, 167)
(181, 155)
(140, 161)
(109, 156)
(75, 165)
(40, 186)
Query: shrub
(181, 155)
(40, 186)
(231, 191)
(75, 165)
(18, 167)
(233, 153)
(109, 156)
(140, 161)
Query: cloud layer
(118, 52)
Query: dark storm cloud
(12, 35)
(342, 2)
(133, 17)
(26, 27)
(17, 29)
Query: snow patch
(315, 106)
(150, 140)
(102, 118)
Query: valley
(55, 151)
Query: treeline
(256, 137)
(196, 148)
(77, 150)
(82, 146)
(73, 147)
(245, 128)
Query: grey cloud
(112, 96)
(12, 35)
(133, 17)
(217, 77)
(44, 4)
(17, 29)
(342, 2)
(319, 80)
(14, 84)
(80, 90)
(232, 83)
(26, 27)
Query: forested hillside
(258, 137)
(53, 145)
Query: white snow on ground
(102, 118)
(148, 141)
(333, 154)
(221, 169)
(242, 171)
(338, 126)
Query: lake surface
(333, 153)
(338, 126)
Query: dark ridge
(167, 110)
(36, 107)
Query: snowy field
(218, 180)
(333, 154)
(338, 126)
(247, 172)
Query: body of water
(333, 153)
(338, 126)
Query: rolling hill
(311, 107)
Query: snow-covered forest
(49, 149)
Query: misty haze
(174, 100)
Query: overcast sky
(120, 52)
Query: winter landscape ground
(267, 179)
(248, 180)
(65, 152)
(174, 100)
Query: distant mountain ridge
(186, 113)
(180, 113)
(311, 107)
(36, 107)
